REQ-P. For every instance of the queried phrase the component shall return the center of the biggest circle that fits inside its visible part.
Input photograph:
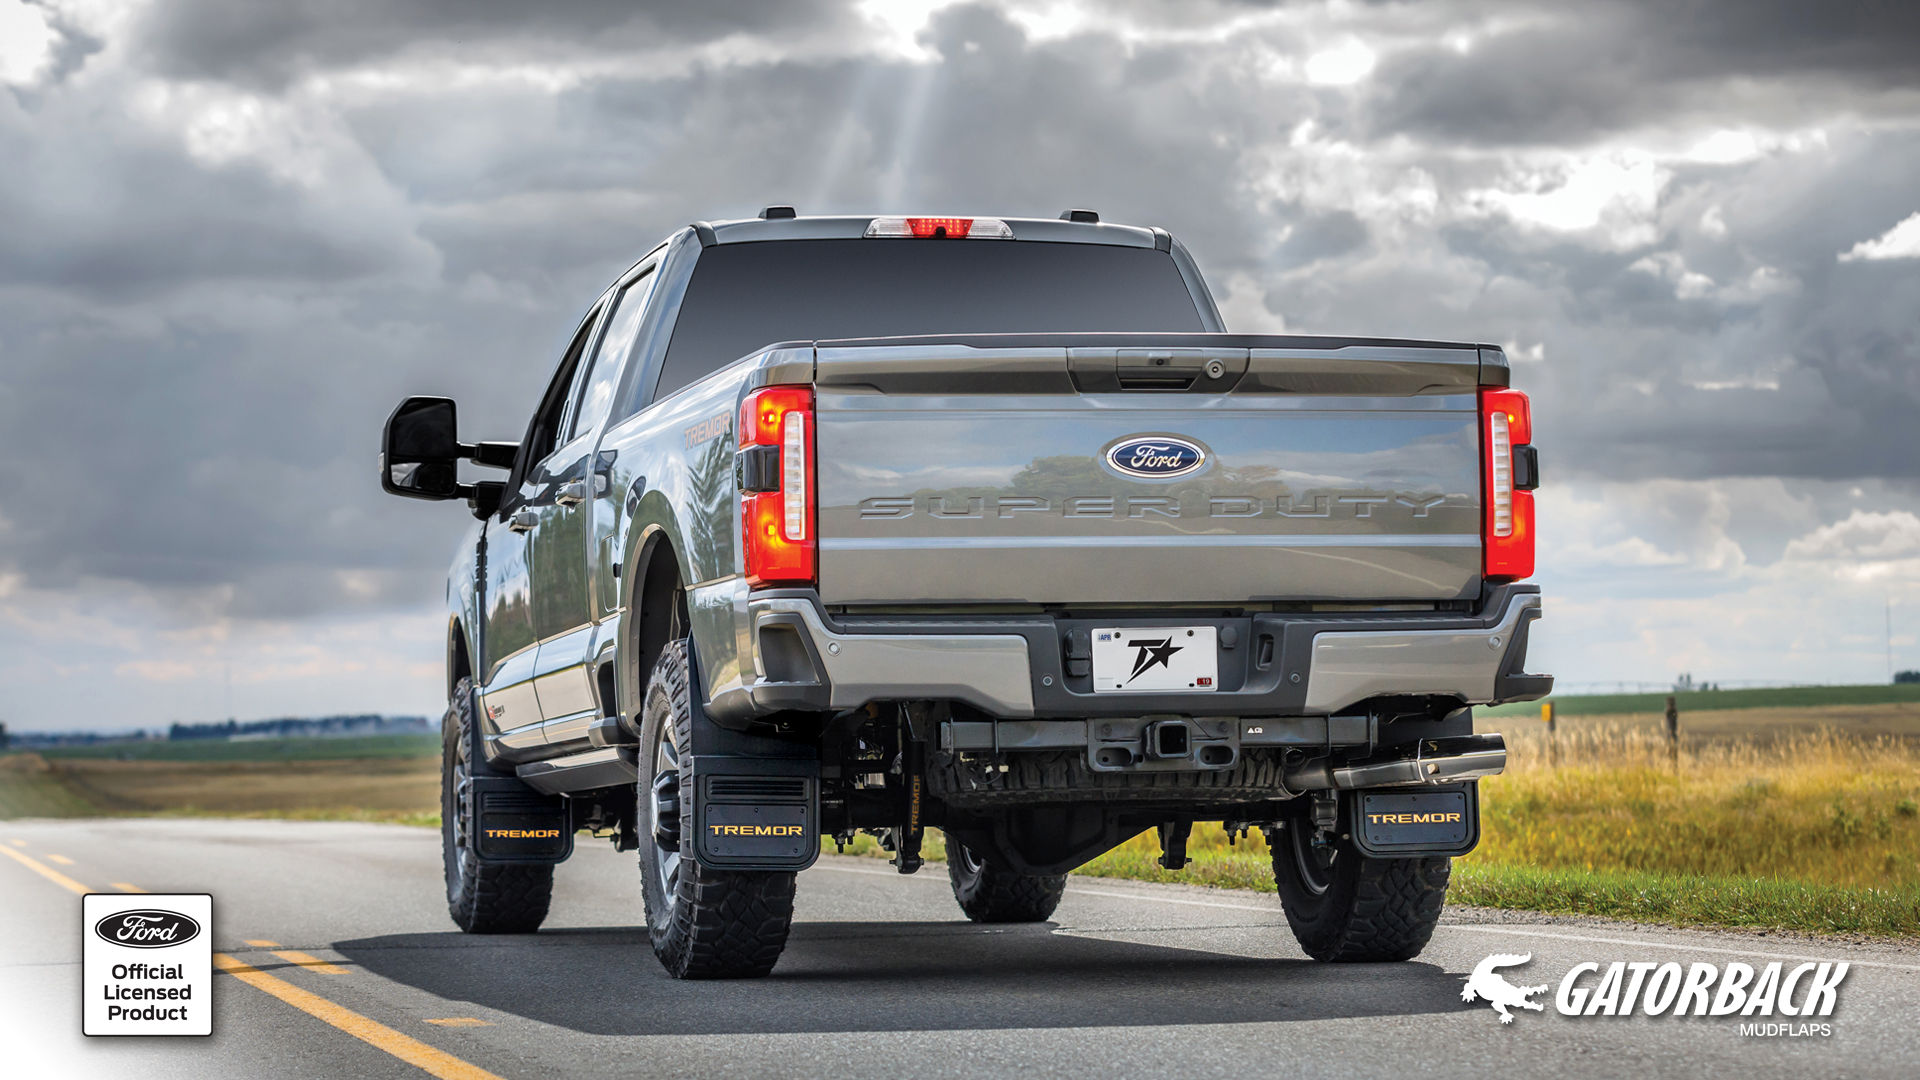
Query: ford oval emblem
(1157, 457)
(148, 928)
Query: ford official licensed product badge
(1157, 457)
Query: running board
(604, 768)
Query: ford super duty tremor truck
(830, 525)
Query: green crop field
(288, 749)
(370, 777)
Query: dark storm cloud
(1840, 342)
(1572, 73)
(196, 351)
(251, 331)
(1129, 133)
(270, 43)
(151, 220)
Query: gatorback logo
(757, 830)
(149, 928)
(1160, 457)
(1654, 988)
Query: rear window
(744, 296)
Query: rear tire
(1347, 908)
(704, 924)
(990, 894)
(482, 898)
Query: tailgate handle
(1153, 382)
(1203, 371)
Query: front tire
(1344, 907)
(990, 894)
(704, 924)
(482, 898)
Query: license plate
(1156, 660)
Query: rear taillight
(778, 524)
(1506, 533)
(941, 228)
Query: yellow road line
(61, 859)
(263, 943)
(46, 871)
(435, 1062)
(461, 1021)
(18, 843)
(124, 887)
(308, 960)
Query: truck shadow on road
(894, 976)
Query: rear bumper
(1018, 667)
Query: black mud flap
(1405, 823)
(766, 819)
(513, 823)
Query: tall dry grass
(1808, 831)
(1822, 808)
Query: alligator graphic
(1485, 984)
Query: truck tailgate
(1174, 469)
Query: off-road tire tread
(1385, 910)
(491, 899)
(727, 924)
(997, 895)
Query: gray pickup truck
(829, 525)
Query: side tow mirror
(420, 453)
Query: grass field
(1816, 832)
(1798, 816)
(375, 778)
(30, 788)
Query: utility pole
(1889, 637)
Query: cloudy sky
(232, 234)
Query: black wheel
(991, 894)
(1345, 907)
(705, 924)
(483, 899)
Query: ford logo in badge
(148, 928)
(1158, 457)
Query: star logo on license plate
(1151, 653)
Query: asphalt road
(883, 977)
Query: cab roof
(855, 226)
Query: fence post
(1553, 741)
(1673, 730)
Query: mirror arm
(484, 497)
(498, 455)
